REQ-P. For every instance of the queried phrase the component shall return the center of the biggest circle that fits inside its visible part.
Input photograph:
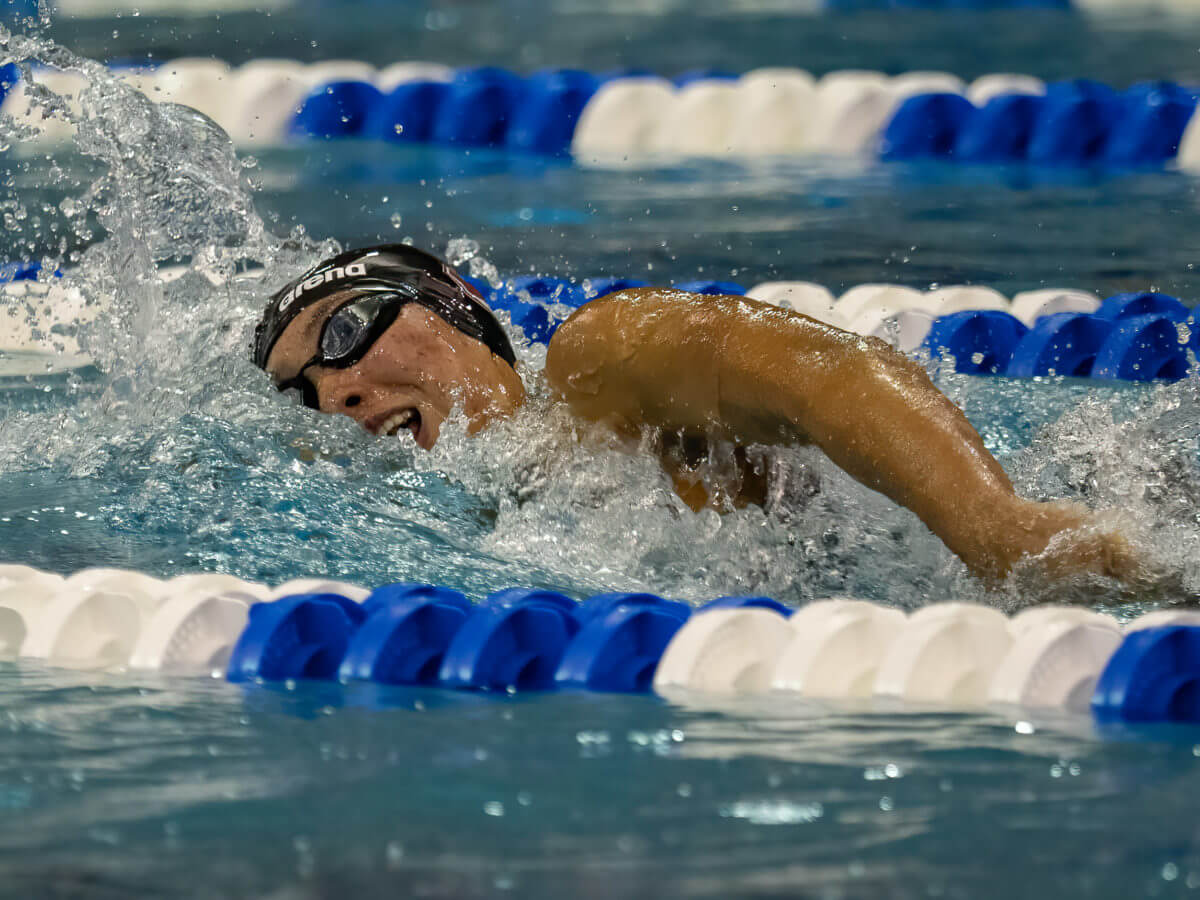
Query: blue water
(171, 455)
(138, 787)
(835, 222)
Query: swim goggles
(390, 267)
(347, 336)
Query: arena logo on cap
(354, 270)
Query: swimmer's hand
(1062, 543)
(1064, 539)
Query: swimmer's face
(410, 378)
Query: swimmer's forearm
(878, 416)
(756, 374)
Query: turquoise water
(136, 787)
(171, 455)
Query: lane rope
(955, 655)
(624, 117)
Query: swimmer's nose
(339, 395)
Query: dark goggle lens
(347, 335)
(351, 328)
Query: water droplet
(461, 250)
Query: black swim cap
(438, 288)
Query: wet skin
(699, 367)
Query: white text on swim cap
(354, 270)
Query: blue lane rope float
(997, 132)
(1063, 343)
(926, 125)
(621, 638)
(753, 602)
(304, 636)
(1074, 123)
(411, 625)
(982, 342)
(514, 639)
(922, 115)
(1153, 677)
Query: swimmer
(395, 339)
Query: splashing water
(171, 453)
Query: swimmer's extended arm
(753, 373)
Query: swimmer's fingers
(1096, 550)
(1100, 546)
(1014, 540)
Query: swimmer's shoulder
(628, 315)
(604, 327)
(599, 342)
(633, 307)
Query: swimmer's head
(392, 337)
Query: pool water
(136, 787)
(171, 455)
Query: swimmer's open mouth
(407, 418)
